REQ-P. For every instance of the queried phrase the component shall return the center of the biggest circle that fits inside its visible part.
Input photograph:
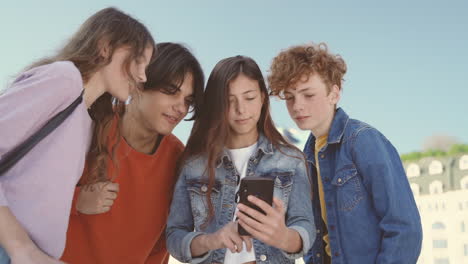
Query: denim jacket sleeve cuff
(187, 241)
(305, 243)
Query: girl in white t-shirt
(234, 137)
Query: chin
(122, 98)
(166, 131)
(244, 131)
(301, 126)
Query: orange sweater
(132, 232)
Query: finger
(278, 205)
(112, 186)
(260, 217)
(93, 187)
(248, 242)
(98, 185)
(237, 241)
(229, 244)
(254, 233)
(262, 204)
(249, 221)
(107, 202)
(106, 209)
(111, 195)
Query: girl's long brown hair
(114, 29)
(211, 130)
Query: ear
(104, 49)
(335, 94)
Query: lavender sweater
(39, 188)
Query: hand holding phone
(265, 220)
(259, 187)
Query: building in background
(440, 188)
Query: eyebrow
(173, 86)
(301, 90)
(246, 92)
(305, 89)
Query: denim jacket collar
(338, 127)
(335, 134)
(263, 145)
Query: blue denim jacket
(189, 209)
(371, 212)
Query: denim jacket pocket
(283, 184)
(198, 191)
(349, 189)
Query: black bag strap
(12, 157)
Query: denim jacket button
(339, 180)
(322, 156)
(318, 231)
(263, 258)
(204, 188)
(318, 255)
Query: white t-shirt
(240, 157)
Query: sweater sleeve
(31, 100)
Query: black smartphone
(259, 187)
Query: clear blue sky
(407, 60)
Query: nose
(179, 106)
(297, 105)
(240, 107)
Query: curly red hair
(297, 63)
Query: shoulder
(175, 143)
(289, 154)
(57, 70)
(357, 130)
(62, 68)
(61, 79)
(368, 133)
(366, 140)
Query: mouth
(301, 118)
(242, 121)
(171, 119)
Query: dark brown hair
(211, 129)
(171, 64)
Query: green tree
(454, 150)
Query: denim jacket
(189, 209)
(371, 212)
